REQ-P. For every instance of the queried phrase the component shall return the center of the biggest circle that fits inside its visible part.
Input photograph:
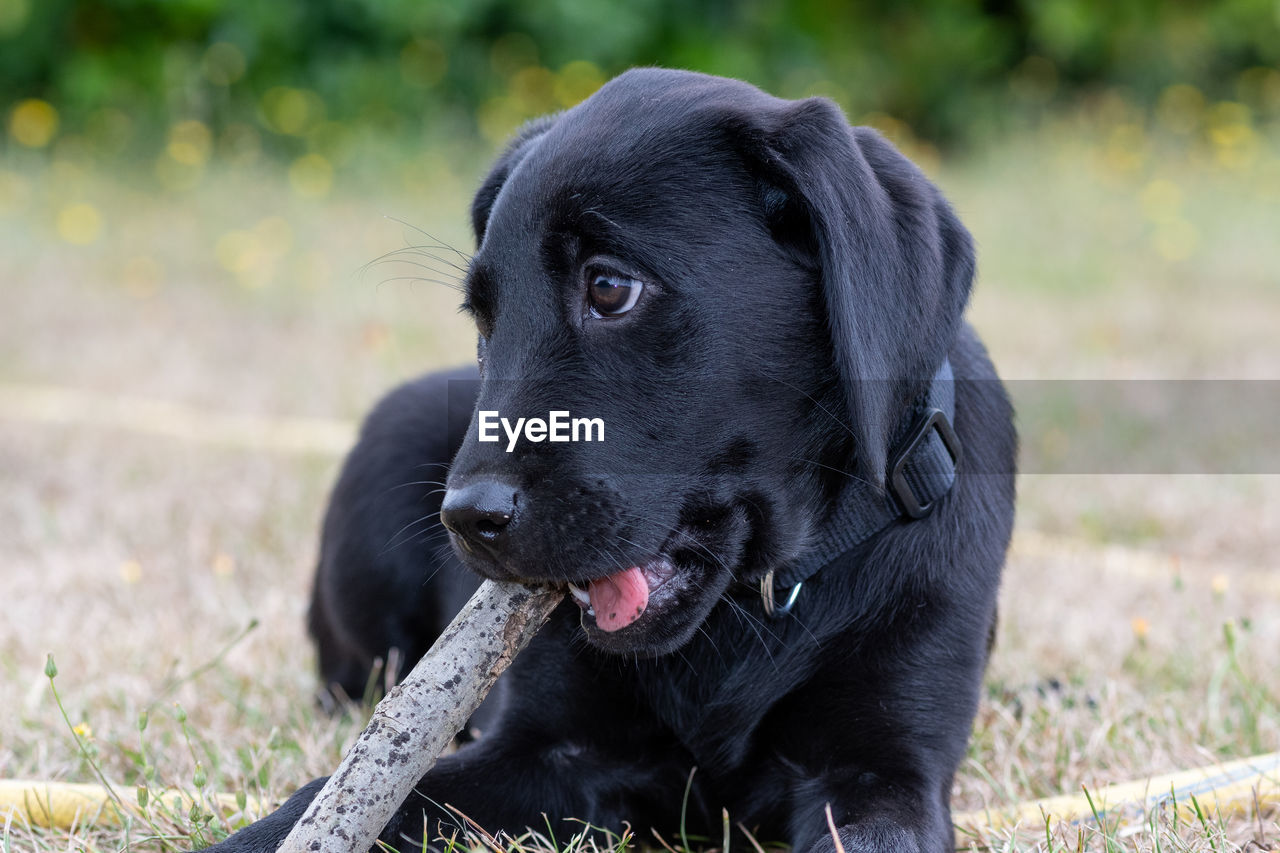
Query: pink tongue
(618, 600)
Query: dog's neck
(922, 468)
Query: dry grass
(139, 561)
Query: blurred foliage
(315, 81)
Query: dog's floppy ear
(516, 150)
(895, 262)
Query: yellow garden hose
(1230, 789)
(63, 805)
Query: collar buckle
(928, 422)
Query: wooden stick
(418, 718)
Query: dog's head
(745, 291)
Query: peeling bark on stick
(418, 718)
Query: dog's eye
(611, 294)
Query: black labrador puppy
(785, 539)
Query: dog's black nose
(479, 513)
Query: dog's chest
(715, 696)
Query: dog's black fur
(802, 282)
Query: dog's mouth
(617, 600)
(651, 601)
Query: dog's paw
(871, 836)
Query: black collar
(922, 468)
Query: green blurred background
(327, 85)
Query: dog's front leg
(869, 815)
(265, 835)
(512, 780)
(895, 726)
